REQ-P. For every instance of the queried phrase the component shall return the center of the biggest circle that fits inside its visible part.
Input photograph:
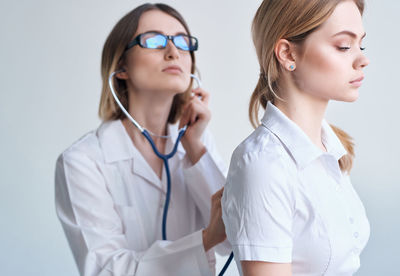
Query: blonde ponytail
(259, 97)
(346, 162)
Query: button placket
(356, 250)
(354, 230)
(331, 170)
(162, 202)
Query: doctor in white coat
(111, 187)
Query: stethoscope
(147, 134)
(165, 157)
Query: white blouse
(287, 201)
(110, 203)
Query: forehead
(156, 20)
(346, 16)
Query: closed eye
(344, 48)
(348, 48)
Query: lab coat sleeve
(204, 179)
(95, 232)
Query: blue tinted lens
(155, 41)
(182, 42)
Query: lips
(175, 69)
(359, 80)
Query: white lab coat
(110, 203)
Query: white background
(50, 90)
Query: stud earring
(291, 67)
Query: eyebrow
(349, 33)
(161, 32)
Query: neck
(306, 111)
(150, 110)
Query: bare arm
(256, 268)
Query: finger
(189, 116)
(219, 192)
(199, 109)
(216, 199)
(201, 94)
(216, 195)
(206, 98)
(193, 111)
(218, 204)
(184, 118)
(193, 116)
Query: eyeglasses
(154, 40)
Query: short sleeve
(258, 206)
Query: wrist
(194, 150)
(209, 241)
(206, 240)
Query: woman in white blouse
(288, 205)
(111, 187)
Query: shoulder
(261, 146)
(86, 147)
(261, 164)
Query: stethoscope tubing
(163, 157)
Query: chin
(177, 85)
(350, 97)
(175, 89)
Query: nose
(361, 61)
(171, 52)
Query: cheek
(143, 63)
(142, 67)
(322, 72)
(187, 62)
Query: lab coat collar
(117, 146)
(115, 141)
(296, 141)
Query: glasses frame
(137, 41)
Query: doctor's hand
(196, 115)
(215, 231)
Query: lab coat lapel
(118, 146)
(141, 168)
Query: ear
(122, 75)
(285, 53)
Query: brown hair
(113, 55)
(293, 20)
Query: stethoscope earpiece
(199, 84)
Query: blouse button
(351, 220)
(356, 235)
